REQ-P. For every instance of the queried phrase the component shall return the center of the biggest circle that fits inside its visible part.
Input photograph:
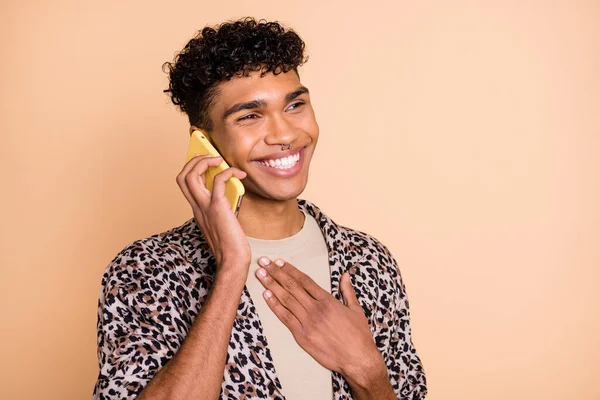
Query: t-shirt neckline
(285, 244)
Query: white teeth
(282, 163)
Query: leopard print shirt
(154, 288)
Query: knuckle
(323, 307)
(305, 335)
(317, 316)
(220, 177)
(200, 164)
(311, 309)
(291, 283)
(192, 178)
(286, 318)
(285, 299)
(305, 279)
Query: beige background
(465, 137)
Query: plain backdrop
(464, 135)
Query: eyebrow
(259, 103)
(300, 91)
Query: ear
(194, 128)
(205, 133)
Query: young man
(280, 302)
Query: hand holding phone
(234, 190)
(213, 210)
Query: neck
(266, 219)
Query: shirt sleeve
(404, 365)
(131, 349)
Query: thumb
(348, 291)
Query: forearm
(196, 371)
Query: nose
(280, 131)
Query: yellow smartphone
(234, 189)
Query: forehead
(269, 88)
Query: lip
(283, 173)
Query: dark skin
(269, 209)
(252, 116)
(336, 335)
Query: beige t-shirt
(301, 377)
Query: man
(279, 302)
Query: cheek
(242, 149)
(316, 130)
(309, 125)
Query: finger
(348, 291)
(195, 180)
(203, 163)
(309, 285)
(284, 297)
(180, 179)
(284, 315)
(222, 177)
(192, 163)
(286, 280)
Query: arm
(132, 347)
(406, 370)
(371, 383)
(132, 350)
(196, 371)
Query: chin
(286, 196)
(281, 193)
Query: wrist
(366, 378)
(233, 272)
(370, 380)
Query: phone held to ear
(234, 190)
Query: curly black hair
(234, 48)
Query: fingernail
(262, 272)
(279, 263)
(268, 294)
(264, 261)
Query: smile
(282, 163)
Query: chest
(254, 350)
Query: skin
(269, 209)
(336, 335)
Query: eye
(247, 117)
(296, 105)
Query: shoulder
(371, 246)
(145, 260)
(375, 263)
(357, 244)
(363, 253)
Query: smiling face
(252, 117)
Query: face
(252, 117)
